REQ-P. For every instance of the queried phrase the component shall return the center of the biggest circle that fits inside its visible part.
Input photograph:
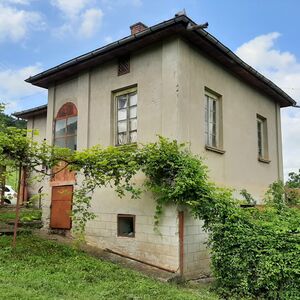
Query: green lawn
(26, 214)
(41, 269)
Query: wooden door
(61, 206)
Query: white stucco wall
(239, 167)
(37, 127)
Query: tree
(293, 180)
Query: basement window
(126, 225)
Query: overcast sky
(38, 34)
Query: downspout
(279, 143)
(181, 241)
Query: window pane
(133, 137)
(122, 138)
(71, 142)
(132, 112)
(122, 101)
(260, 138)
(60, 128)
(72, 125)
(210, 128)
(133, 99)
(122, 126)
(214, 141)
(133, 124)
(122, 114)
(60, 143)
(214, 129)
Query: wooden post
(181, 241)
(2, 184)
(17, 209)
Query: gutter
(108, 47)
(262, 82)
(247, 67)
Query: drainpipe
(181, 241)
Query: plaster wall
(238, 167)
(37, 125)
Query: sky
(38, 34)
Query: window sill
(263, 160)
(126, 236)
(133, 145)
(214, 149)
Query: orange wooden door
(61, 206)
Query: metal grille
(124, 65)
(67, 110)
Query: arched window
(65, 131)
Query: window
(124, 65)
(126, 117)
(262, 139)
(65, 131)
(212, 120)
(126, 225)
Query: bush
(256, 254)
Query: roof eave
(29, 113)
(202, 38)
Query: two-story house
(176, 80)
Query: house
(173, 79)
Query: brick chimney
(137, 27)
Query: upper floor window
(126, 116)
(262, 138)
(212, 120)
(65, 129)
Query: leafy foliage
(256, 254)
(248, 197)
(9, 121)
(294, 180)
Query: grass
(41, 269)
(26, 214)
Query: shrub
(256, 254)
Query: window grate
(124, 65)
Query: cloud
(16, 23)
(91, 20)
(110, 4)
(80, 18)
(283, 68)
(70, 8)
(13, 88)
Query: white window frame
(212, 120)
(262, 137)
(126, 92)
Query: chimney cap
(138, 24)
